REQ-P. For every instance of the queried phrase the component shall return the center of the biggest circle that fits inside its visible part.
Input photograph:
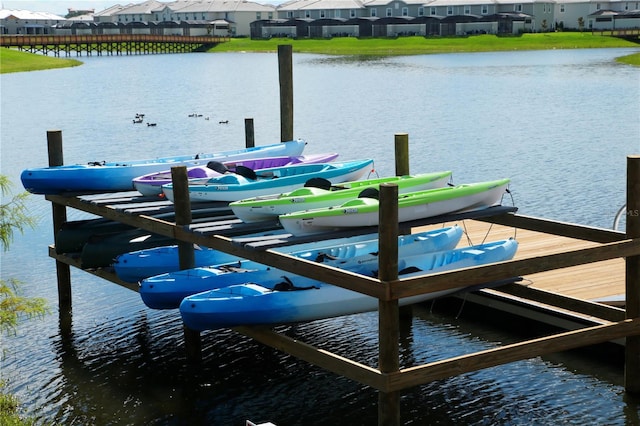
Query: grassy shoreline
(420, 45)
(15, 61)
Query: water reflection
(520, 115)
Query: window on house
(432, 11)
(389, 12)
(373, 12)
(517, 7)
(270, 16)
(323, 14)
(289, 14)
(258, 15)
(562, 8)
(485, 9)
(449, 10)
(336, 13)
(467, 10)
(421, 11)
(405, 11)
(598, 6)
(352, 13)
(307, 14)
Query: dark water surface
(559, 123)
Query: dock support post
(388, 310)
(63, 272)
(632, 277)
(182, 206)
(285, 69)
(401, 141)
(402, 153)
(249, 134)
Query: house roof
(28, 15)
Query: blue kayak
(118, 176)
(279, 298)
(166, 291)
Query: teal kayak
(236, 186)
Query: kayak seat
(369, 193)
(318, 182)
(217, 166)
(246, 172)
(197, 173)
(305, 191)
(359, 202)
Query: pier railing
(110, 44)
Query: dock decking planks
(593, 281)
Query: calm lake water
(558, 123)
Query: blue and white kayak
(234, 186)
(150, 185)
(119, 175)
(290, 298)
(166, 291)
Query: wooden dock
(564, 266)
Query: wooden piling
(632, 278)
(59, 212)
(389, 315)
(285, 68)
(182, 206)
(401, 143)
(402, 153)
(249, 134)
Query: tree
(581, 24)
(13, 306)
(14, 217)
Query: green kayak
(268, 207)
(363, 211)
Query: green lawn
(15, 61)
(421, 45)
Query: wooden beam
(325, 359)
(59, 217)
(104, 273)
(632, 276)
(285, 69)
(439, 370)
(563, 229)
(513, 268)
(388, 310)
(401, 141)
(180, 180)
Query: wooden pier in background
(110, 44)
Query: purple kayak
(151, 184)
